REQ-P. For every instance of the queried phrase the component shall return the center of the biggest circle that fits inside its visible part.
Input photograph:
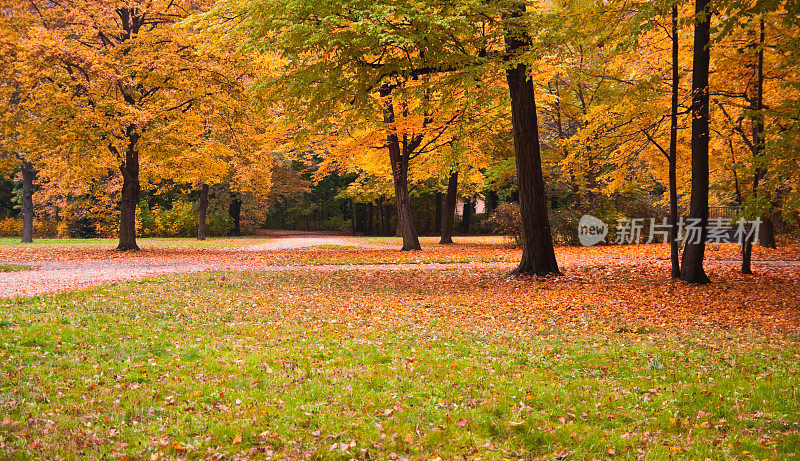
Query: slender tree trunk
(202, 213)
(28, 175)
(449, 209)
(399, 158)
(747, 256)
(673, 152)
(370, 218)
(235, 211)
(467, 211)
(538, 254)
(130, 194)
(352, 216)
(438, 211)
(692, 265)
(387, 216)
(758, 147)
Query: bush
(85, 218)
(12, 227)
(564, 225)
(178, 221)
(219, 223)
(507, 220)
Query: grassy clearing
(144, 243)
(14, 268)
(416, 364)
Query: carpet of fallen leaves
(83, 264)
(372, 353)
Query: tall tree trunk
(756, 105)
(465, 216)
(692, 265)
(399, 158)
(387, 216)
(673, 152)
(538, 254)
(370, 218)
(766, 234)
(235, 211)
(449, 209)
(130, 194)
(202, 213)
(438, 210)
(352, 216)
(28, 175)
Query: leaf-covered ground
(612, 360)
(64, 265)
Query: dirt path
(289, 243)
(67, 272)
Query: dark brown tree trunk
(747, 256)
(235, 211)
(438, 210)
(28, 175)
(370, 218)
(202, 213)
(673, 152)
(538, 254)
(758, 147)
(766, 234)
(387, 216)
(694, 252)
(449, 209)
(399, 158)
(352, 216)
(130, 194)
(465, 215)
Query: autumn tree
(694, 251)
(112, 80)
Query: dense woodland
(177, 117)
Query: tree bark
(235, 211)
(756, 105)
(202, 213)
(28, 175)
(370, 217)
(766, 235)
(694, 252)
(130, 194)
(399, 158)
(673, 152)
(449, 209)
(438, 210)
(538, 254)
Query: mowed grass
(145, 243)
(417, 364)
(13, 268)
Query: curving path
(71, 274)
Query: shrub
(564, 225)
(85, 218)
(219, 223)
(178, 221)
(12, 227)
(507, 220)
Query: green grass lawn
(144, 242)
(358, 365)
(13, 268)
